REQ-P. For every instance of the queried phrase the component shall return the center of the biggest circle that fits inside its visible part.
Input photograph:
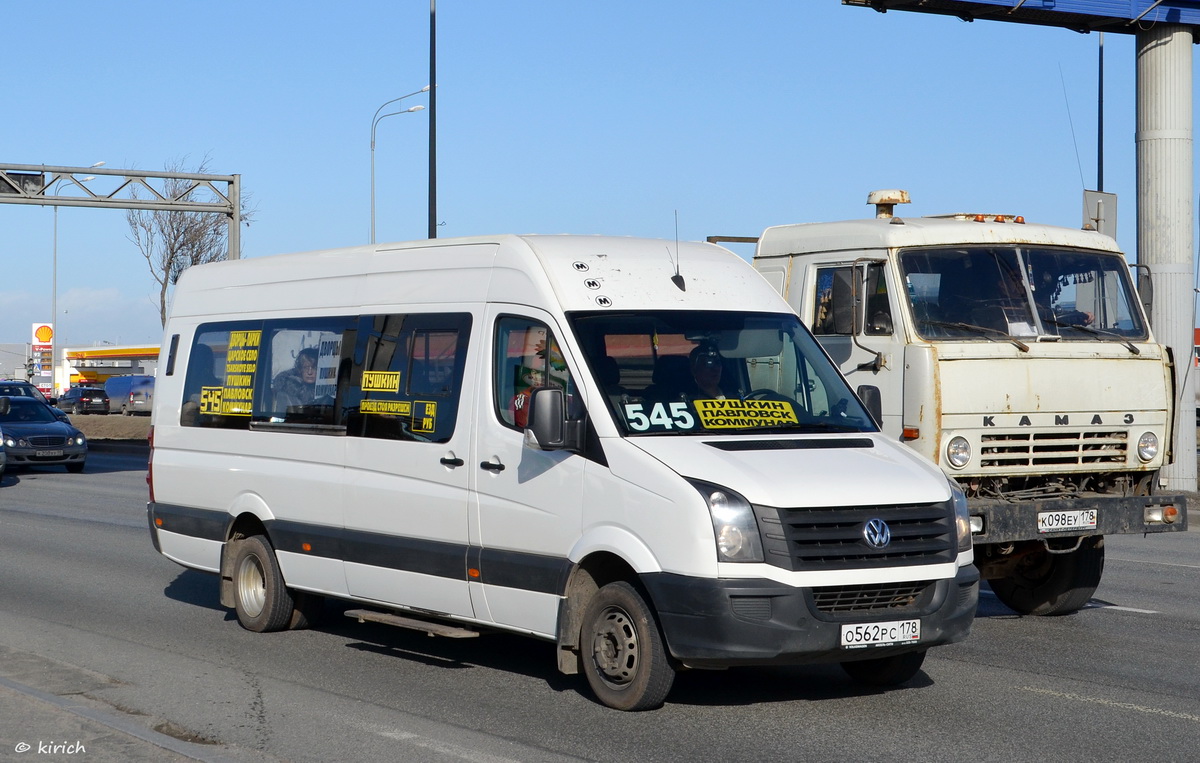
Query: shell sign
(42, 333)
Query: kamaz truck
(1018, 358)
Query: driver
(706, 364)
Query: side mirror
(873, 400)
(4, 406)
(547, 427)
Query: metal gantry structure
(43, 185)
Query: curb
(119, 446)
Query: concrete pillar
(1166, 218)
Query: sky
(552, 117)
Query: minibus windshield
(688, 372)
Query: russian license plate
(48, 453)
(881, 634)
(1053, 521)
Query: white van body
(428, 496)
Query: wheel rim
(251, 586)
(615, 647)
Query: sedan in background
(79, 400)
(18, 388)
(34, 437)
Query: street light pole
(54, 291)
(374, 122)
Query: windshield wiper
(1096, 332)
(983, 330)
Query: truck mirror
(1145, 287)
(870, 397)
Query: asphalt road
(92, 613)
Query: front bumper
(723, 623)
(73, 454)
(1011, 521)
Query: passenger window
(404, 378)
(221, 368)
(301, 359)
(526, 356)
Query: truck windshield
(714, 373)
(990, 292)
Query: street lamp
(374, 122)
(54, 286)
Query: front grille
(47, 442)
(834, 539)
(1072, 448)
(871, 598)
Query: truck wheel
(1053, 584)
(886, 671)
(623, 655)
(262, 601)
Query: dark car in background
(79, 400)
(34, 437)
(18, 388)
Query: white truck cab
(631, 448)
(1018, 358)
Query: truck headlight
(1147, 447)
(733, 521)
(958, 452)
(962, 517)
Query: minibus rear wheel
(262, 601)
(624, 658)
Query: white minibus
(630, 448)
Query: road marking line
(1112, 703)
(1161, 564)
(1093, 604)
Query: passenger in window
(296, 386)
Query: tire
(623, 655)
(125, 411)
(75, 410)
(1048, 584)
(886, 671)
(262, 601)
(75, 468)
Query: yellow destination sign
(739, 414)
(381, 381)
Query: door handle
(492, 466)
(451, 461)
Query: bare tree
(173, 241)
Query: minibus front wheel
(624, 658)
(261, 599)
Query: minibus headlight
(958, 452)
(734, 525)
(1147, 447)
(962, 517)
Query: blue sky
(553, 117)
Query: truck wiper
(983, 330)
(1096, 332)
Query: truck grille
(1009, 449)
(870, 598)
(834, 539)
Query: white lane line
(1112, 703)
(1160, 564)
(1093, 604)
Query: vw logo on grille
(877, 533)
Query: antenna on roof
(677, 279)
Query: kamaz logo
(1060, 420)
